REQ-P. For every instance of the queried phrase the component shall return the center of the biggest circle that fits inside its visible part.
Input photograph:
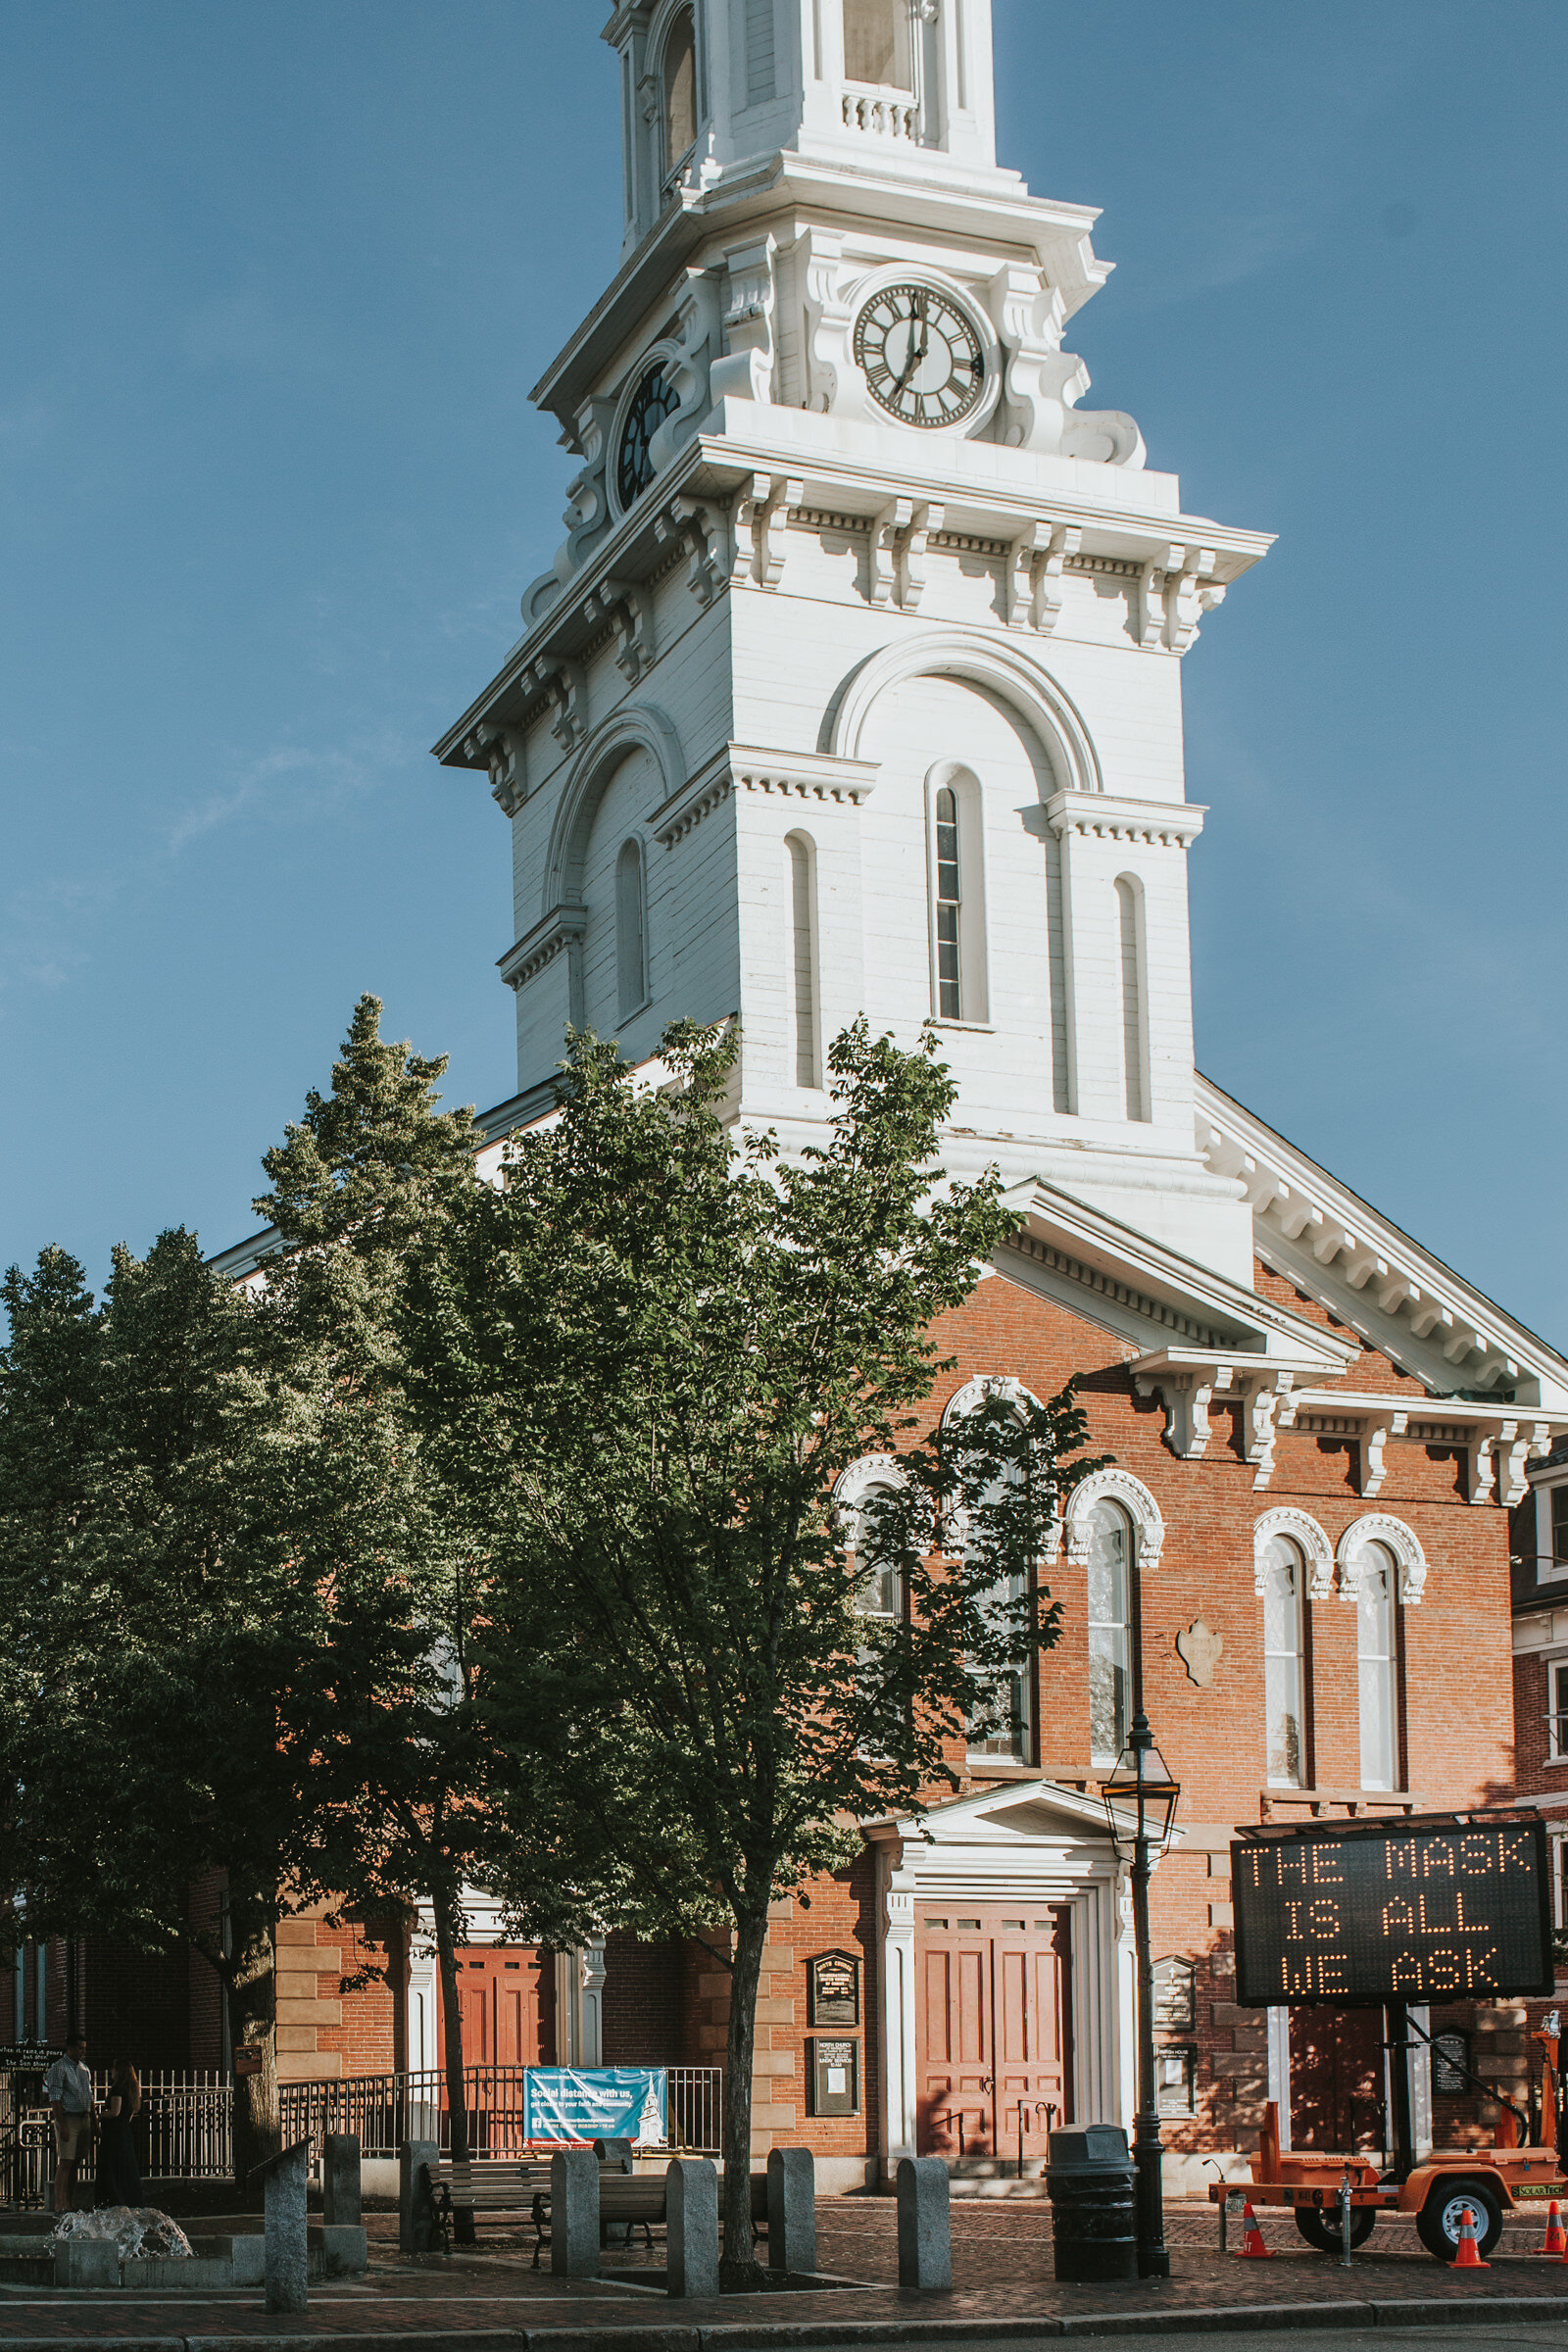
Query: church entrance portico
(1005, 1974)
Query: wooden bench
(485, 2184)
(633, 2199)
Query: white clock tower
(855, 683)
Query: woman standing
(118, 2173)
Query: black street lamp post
(1141, 1798)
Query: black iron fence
(383, 2111)
(183, 2133)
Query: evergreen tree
(644, 1363)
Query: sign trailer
(1393, 1912)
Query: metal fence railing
(183, 2133)
(185, 2128)
(383, 2111)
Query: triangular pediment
(1003, 1813)
(1153, 1298)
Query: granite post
(415, 2206)
(926, 2241)
(691, 2223)
(574, 2213)
(340, 2180)
(285, 2257)
(792, 2211)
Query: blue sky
(276, 281)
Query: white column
(899, 2063)
(1278, 2069)
(424, 2046)
(1419, 2063)
(1126, 2017)
(567, 2011)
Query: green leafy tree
(158, 1624)
(403, 1762)
(646, 1362)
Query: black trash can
(1089, 2181)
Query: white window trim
(1376, 1527)
(1549, 1570)
(1114, 1485)
(1308, 1538)
(1551, 1660)
(862, 1477)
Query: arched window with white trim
(632, 946)
(878, 1586)
(876, 44)
(1283, 1577)
(1130, 961)
(801, 970)
(1109, 1615)
(1377, 1665)
(955, 852)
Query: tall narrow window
(1282, 1663)
(758, 52)
(630, 963)
(1110, 1549)
(681, 91)
(1376, 1666)
(878, 1586)
(1129, 947)
(1559, 1525)
(803, 957)
(950, 999)
(877, 42)
(1557, 1711)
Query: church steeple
(854, 685)
(894, 87)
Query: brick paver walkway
(1002, 2289)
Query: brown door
(1337, 2080)
(505, 2000)
(994, 2029)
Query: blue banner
(599, 2102)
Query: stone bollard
(792, 2211)
(614, 2152)
(925, 2239)
(340, 2181)
(691, 2224)
(285, 2258)
(415, 2206)
(574, 2213)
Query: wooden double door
(993, 2028)
(505, 2000)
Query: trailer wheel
(1319, 2225)
(1437, 2222)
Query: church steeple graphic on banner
(855, 683)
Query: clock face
(922, 356)
(654, 399)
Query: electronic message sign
(1398, 1912)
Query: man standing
(67, 2088)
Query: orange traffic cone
(1467, 2258)
(1252, 2246)
(1557, 2242)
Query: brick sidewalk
(1002, 2286)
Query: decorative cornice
(542, 945)
(1135, 1499)
(1376, 1527)
(1305, 1532)
(1165, 825)
(743, 768)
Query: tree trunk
(253, 2024)
(740, 2267)
(446, 1947)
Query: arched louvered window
(802, 973)
(876, 44)
(681, 90)
(631, 985)
(1134, 1017)
(960, 990)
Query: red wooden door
(993, 2029)
(506, 2002)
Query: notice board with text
(1393, 1912)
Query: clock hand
(917, 351)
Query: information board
(1393, 1913)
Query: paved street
(1003, 2289)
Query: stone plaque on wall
(833, 1988)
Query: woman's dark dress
(118, 2172)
